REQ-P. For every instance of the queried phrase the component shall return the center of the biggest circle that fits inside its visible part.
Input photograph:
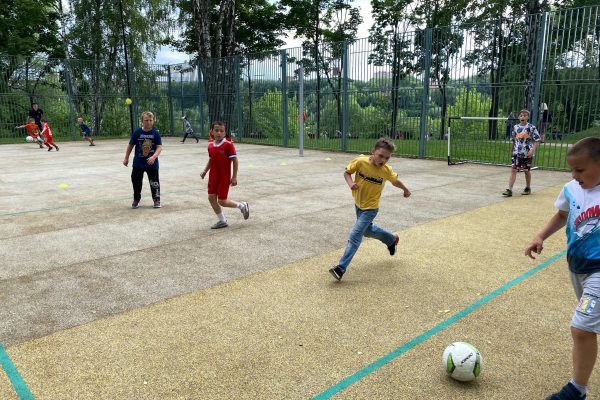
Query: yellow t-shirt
(370, 180)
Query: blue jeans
(364, 227)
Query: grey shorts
(587, 290)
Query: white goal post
(450, 137)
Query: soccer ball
(462, 361)
(29, 139)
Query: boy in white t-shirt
(579, 209)
(525, 140)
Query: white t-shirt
(583, 226)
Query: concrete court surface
(100, 301)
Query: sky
(166, 55)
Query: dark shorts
(521, 163)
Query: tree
(392, 46)
(439, 16)
(28, 29)
(222, 35)
(323, 25)
(95, 39)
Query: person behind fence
(148, 146)
(370, 174)
(578, 207)
(47, 134)
(85, 130)
(544, 118)
(221, 157)
(33, 131)
(187, 130)
(37, 114)
(510, 123)
(525, 140)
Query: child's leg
(136, 181)
(212, 199)
(528, 178)
(364, 218)
(513, 178)
(376, 232)
(228, 203)
(154, 183)
(585, 350)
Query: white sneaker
(219, 225)
(246, 210)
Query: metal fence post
(67, 67)
(284, 102)
(238, 99)
(425, 98)
(170, 99)
(345, 97)
(539, 66)
(201, 99)
(136, 101)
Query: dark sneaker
(392, 247)
(336, 272)
(57, 149)
(526, 191)
(219, 225)
(568, 392)
(50, 149)
(246, 210)
(156, 203)
(507, 193)
(135, 204)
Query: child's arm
(400, 185)
(349, 181)
(234, 172)
(557, 221)
(22, 126)
(154, 156)
(127, 153)
(206, 169)
(533, 148)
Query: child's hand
(354, 186)
(202, 174)
(530, 154)
(535, 246)
(125, 161)
(407, 193)
(151, 160)
(233, 181)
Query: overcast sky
(166, 55)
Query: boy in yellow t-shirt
(370, 174)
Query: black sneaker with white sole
(336, 272)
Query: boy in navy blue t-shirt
(86, 132)
(148, 145)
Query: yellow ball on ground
(128, 101)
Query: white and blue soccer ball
(462, 361)
(29, 139)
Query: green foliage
(29, 27)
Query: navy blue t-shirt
(145, 145)
(85, 129)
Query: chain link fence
(411, 86)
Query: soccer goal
(480, 140)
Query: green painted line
(14, 377)
(352, 379)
